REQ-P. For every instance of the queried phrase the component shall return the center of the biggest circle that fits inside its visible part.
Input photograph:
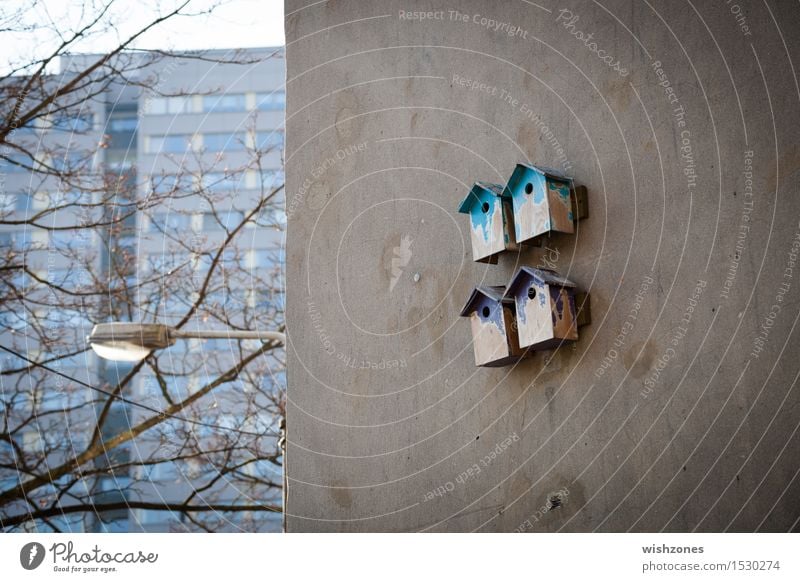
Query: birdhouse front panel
(491, 222)
(541, 203)
(546, 312)
(493, 327)
(534, 314)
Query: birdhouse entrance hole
(486, 312)
(485, 207)
(532, 293)
(528, 188)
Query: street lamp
(131, 342)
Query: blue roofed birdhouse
(494, 337)
(545, 307)
(491, 221)
(543, 201)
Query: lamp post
(131, 342)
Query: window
(63, 197)
(221, 103)
(69, 278)
(224, 219)
(269, 139)
(170, 222)
(119, 162)
(123, 124)
(273, 101)
(115, 371)
(71, 239)
(218, 344)
(223, 142)
(11, 163)
(73, 123)
(168, 183)
(172, 105)
(272, 178)
(71, 161)
(170, 144)
(222, 182)
(227, 260)
(263, 258)
(12, 320)
(166, 262)
(113, 521)
(27, 129)
(268, 300)
(230, 299)
(20, 238)
(117, 421)
(32, 442)
(20, 202)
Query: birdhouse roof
(547, 172)
(493, 292)
(542, 275)
(472, 197)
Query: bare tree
(190, 430)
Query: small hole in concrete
(485, 207)
(486, 312)
(554, 501)
(528, 188)
(532, 293)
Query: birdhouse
(545, 307)
(543, 201)
(491, 221)
(494, 337)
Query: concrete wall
(677, 409)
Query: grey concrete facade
(677, 408)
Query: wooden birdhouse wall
(548, 317)
(534, 315)
(560, 206)
(541, 204)
(491, 225)
(493, 339)
(486, 221)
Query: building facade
(187, 153)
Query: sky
(231, 24)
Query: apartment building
(187, 155)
